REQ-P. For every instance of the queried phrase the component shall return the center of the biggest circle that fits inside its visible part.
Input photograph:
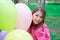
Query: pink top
(40, 33)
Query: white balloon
(24, 16)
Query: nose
(38, 18)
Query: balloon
(24, 16)
(18, 35)
(3, 33)
(8, 15)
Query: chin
(36, 23)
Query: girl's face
(37, 17)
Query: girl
(38, 28)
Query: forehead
(38, 13)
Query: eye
(37, 15)
(41, 16)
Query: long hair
(38, 8)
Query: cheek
(34, 17)
(41, 19)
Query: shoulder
(44, 25)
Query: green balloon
(8, 15)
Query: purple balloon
(3, 33)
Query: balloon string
(0, 30)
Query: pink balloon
(24, 16)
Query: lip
(37, 22)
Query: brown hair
(40, 8)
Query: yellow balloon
(18, 35)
